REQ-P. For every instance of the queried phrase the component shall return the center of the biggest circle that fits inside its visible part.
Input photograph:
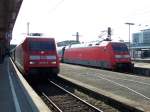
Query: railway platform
(142, 67)
(129, 89)
(15, 93)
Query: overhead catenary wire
(56, 6)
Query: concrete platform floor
(12, 97)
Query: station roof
(8, 13)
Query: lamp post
(28, 26)
(129, 33)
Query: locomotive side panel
(92, 56)
(19, 58)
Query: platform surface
(142, 65)
(12, 97)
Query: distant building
(141, 37)
(141, 44)
(137, 38)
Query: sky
(61, 19)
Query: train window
(119, 47)
(41, 46)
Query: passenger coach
(38, 56)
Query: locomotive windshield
(41, 46)
(120, 47)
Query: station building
(140, 47)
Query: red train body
(37, 55)
(105, 54)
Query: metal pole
(77, 36)
(28, 28)
(129, 35)
(129, 39)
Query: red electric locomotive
(36, 55)
(105, 54)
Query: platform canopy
(8, 13)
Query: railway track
(60, 100)
(57, 94)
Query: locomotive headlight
(31, 62)
(53, 62)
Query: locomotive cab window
(119, 48)
(41, 46)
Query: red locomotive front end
(120, 56)
(38, 56)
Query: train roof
(35, 37)
(92, 44)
